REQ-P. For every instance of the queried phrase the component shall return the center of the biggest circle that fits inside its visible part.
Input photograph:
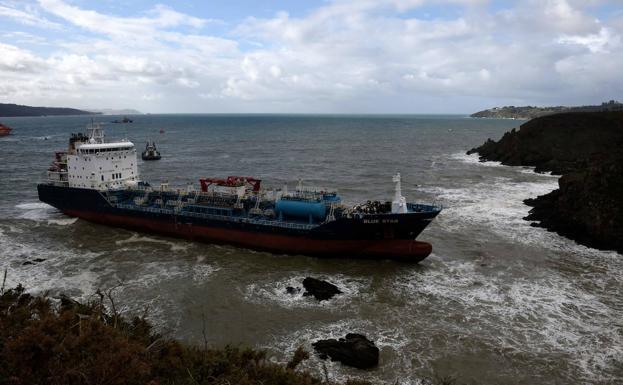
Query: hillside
(587, 148)
(13, 110)
(530, 112)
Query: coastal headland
(586, 148)
(531, 112)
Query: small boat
(151, 152)
(124, 120)
(5, 130)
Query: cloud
(28, 16)
(16, 60)
(343, 56)
(160, 17)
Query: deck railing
(254, 221)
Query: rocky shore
(586, 148)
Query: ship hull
(370, 237)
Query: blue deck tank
(302, 209)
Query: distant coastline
(531, 112)
(16, 110)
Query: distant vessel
(99, 182)
(124, 120)
(151, 152)
(5, 130)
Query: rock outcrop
(321, 290)
(353, 350)
(587, 148)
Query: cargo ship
(99, 181)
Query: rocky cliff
(587, 148)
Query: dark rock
(293, 290)
(321, 290)
(28, 263)
(588, 149)
(37, 260)
(354, 350)
(588, 206)
(68, 303)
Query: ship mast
(96, 133)
(399, 204)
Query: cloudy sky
(332, 56)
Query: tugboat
(99, 182)
(151, 152)
(5, 130)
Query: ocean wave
(495, 206)
(61, 271)
(275, 292)
(33, 206)
(42, 212)
(545, 314)
(474, 159)
(174, 245)
(391, 341)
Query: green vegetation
(75, 343)
(7, 110)
(531, 112)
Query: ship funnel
(399, 204)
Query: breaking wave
(42, 212)
(276, 292)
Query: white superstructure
(399, 204)
(93, 163)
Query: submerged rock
(353, 350)
(33, 262)
(293, 290)
(321, 290)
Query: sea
(497, 302)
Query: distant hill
(10, 110)
(110, 111)
(530, 112)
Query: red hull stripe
(408, 250)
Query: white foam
(42, 212)
(34, 206)
(202, 271)
(390, 341)
(474, 159)
(176, 245)
(545, 313)
(62, 271)
(275, 292)
(494, 206)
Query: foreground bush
(74, 343)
